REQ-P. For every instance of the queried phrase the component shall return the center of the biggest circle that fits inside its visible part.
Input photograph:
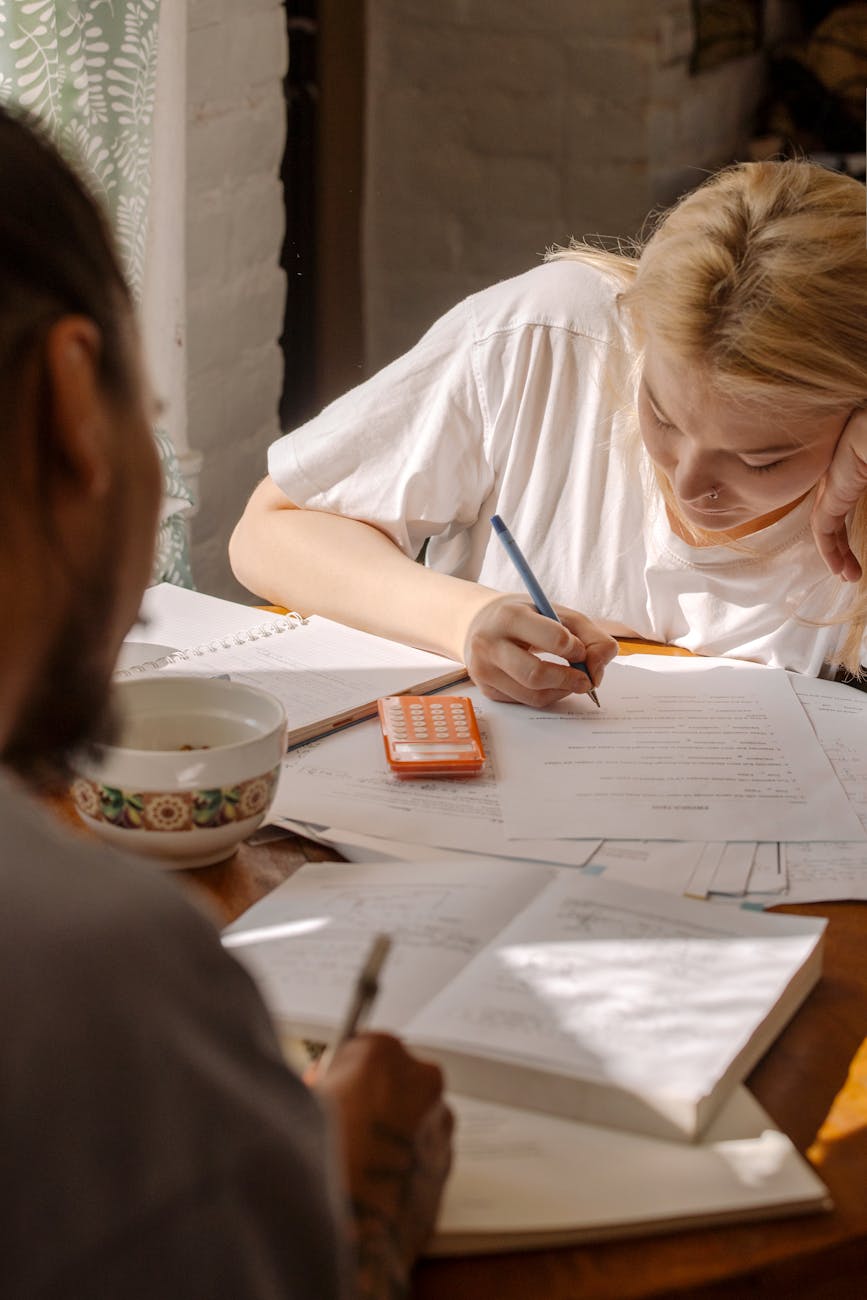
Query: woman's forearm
(318, 563)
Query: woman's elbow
(249, 544)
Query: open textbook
(521, 1180)
(537, 986)
(325, 674)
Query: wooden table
(813, 1083)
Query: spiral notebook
(326, 675)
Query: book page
(319, 670)
(521, 1174)
(344, 780)
(671, 755)
(305, 942)
(178, 617)
(614, 984)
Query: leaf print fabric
(88, 70)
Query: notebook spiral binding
(288, 624)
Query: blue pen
(531, 582)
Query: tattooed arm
(395, 1131)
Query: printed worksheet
(708, 755)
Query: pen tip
(594, 697)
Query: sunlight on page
(268, 933)
(673, 1003)
(755, 1160)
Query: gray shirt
(153, 1142)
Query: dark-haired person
(153, 1143)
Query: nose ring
(713, 495)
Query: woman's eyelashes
(761, 469)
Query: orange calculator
(431, 735)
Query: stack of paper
(763, 805)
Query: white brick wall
(235, 289)
(496, 128)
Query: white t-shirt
(521, 401)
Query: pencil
(363, 998)
(531, 582)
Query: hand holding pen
(504, 641)
(394, 1136)
(537, 595)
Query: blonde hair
(760, 278)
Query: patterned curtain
(88, 70)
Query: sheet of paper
(680, 755)
(822, 873)
(699, 883)
(175, 616)
(343, 780)
(838, 715)
(612, 983)
(667, 865)
(438, 915)
(367, 848)
(768, 875)
(733, 869)
(519, 1173)
(375, 848)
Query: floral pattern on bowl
(179, 810)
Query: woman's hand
(841, 487)
(505, 639)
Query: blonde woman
(653, 430)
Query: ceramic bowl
(193, 771)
